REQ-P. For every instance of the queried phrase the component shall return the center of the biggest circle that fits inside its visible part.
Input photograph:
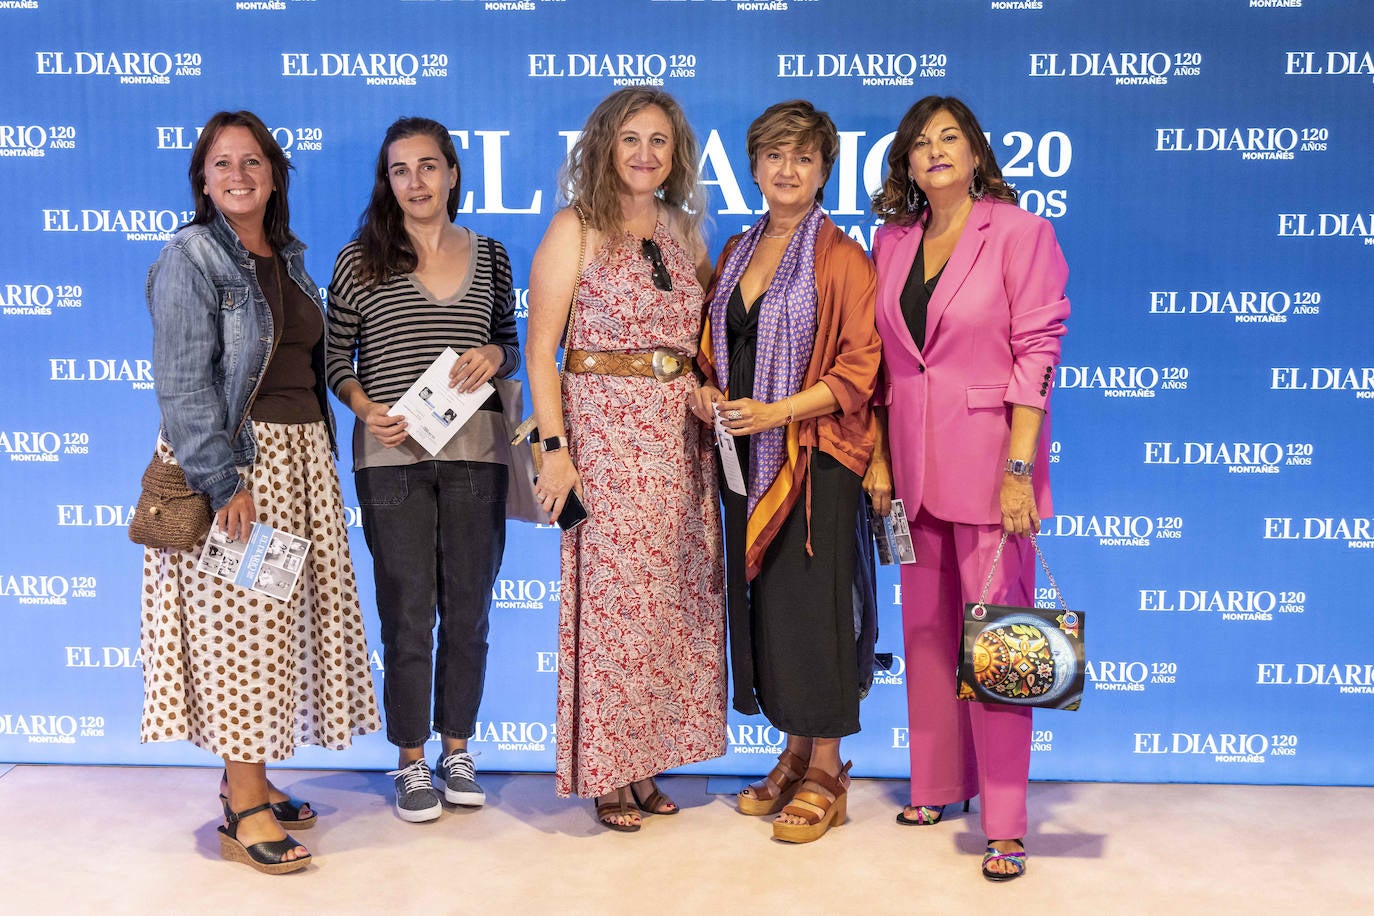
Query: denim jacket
(212, 338)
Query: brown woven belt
(662, 363)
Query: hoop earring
(977, 188)
(915, 200)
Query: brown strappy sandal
(770, 794)
(819, 812)
(605, 811)
(655, 802)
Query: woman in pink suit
(970, 310)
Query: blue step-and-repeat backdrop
(1205, 164)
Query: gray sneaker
(416, 800)
(459, 774)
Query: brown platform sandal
(819, 812)
(769, 797)
(619, 808)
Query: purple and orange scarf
(786, 338)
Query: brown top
(287, 392)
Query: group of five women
(830, 379)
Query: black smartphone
(573, 514)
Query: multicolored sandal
(1017, 860)
(819, 812)
(268, 856)
(926, 815)
(774, 790)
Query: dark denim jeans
(437, 531)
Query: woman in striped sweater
(410, 284)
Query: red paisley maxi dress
(641, 670)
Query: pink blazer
(992, 340)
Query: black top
(287, 391)
(741, 333)
(916, 296)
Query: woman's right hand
(386, 429)
(556, 478)
(237, 516)
(703, 401)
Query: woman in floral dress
(641, 682)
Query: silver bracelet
(1018, 468)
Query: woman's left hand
(877, 484)
(474, 367)
(747, 416)
(1018, 506)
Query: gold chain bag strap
(169, 514)
(529, 428)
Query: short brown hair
(795, 122)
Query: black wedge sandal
(288, 813)
(268, 856)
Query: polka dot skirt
(241, 674)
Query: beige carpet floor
(142, 840)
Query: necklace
(790, 232)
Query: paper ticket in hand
(435, 412)
(269, 561)
(729, 458)
(892, 536)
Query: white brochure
(270, 561)
(892, 536)
(433, 410)
(729, 458)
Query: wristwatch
(553, 443)
(1018, 468)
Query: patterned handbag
(1022, 656)
(169, 514)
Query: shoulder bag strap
(577, 282)
(1044, 564)
(522, 431)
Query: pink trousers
(961, 749)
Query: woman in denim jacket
(238, 362)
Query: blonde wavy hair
(589, 178)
